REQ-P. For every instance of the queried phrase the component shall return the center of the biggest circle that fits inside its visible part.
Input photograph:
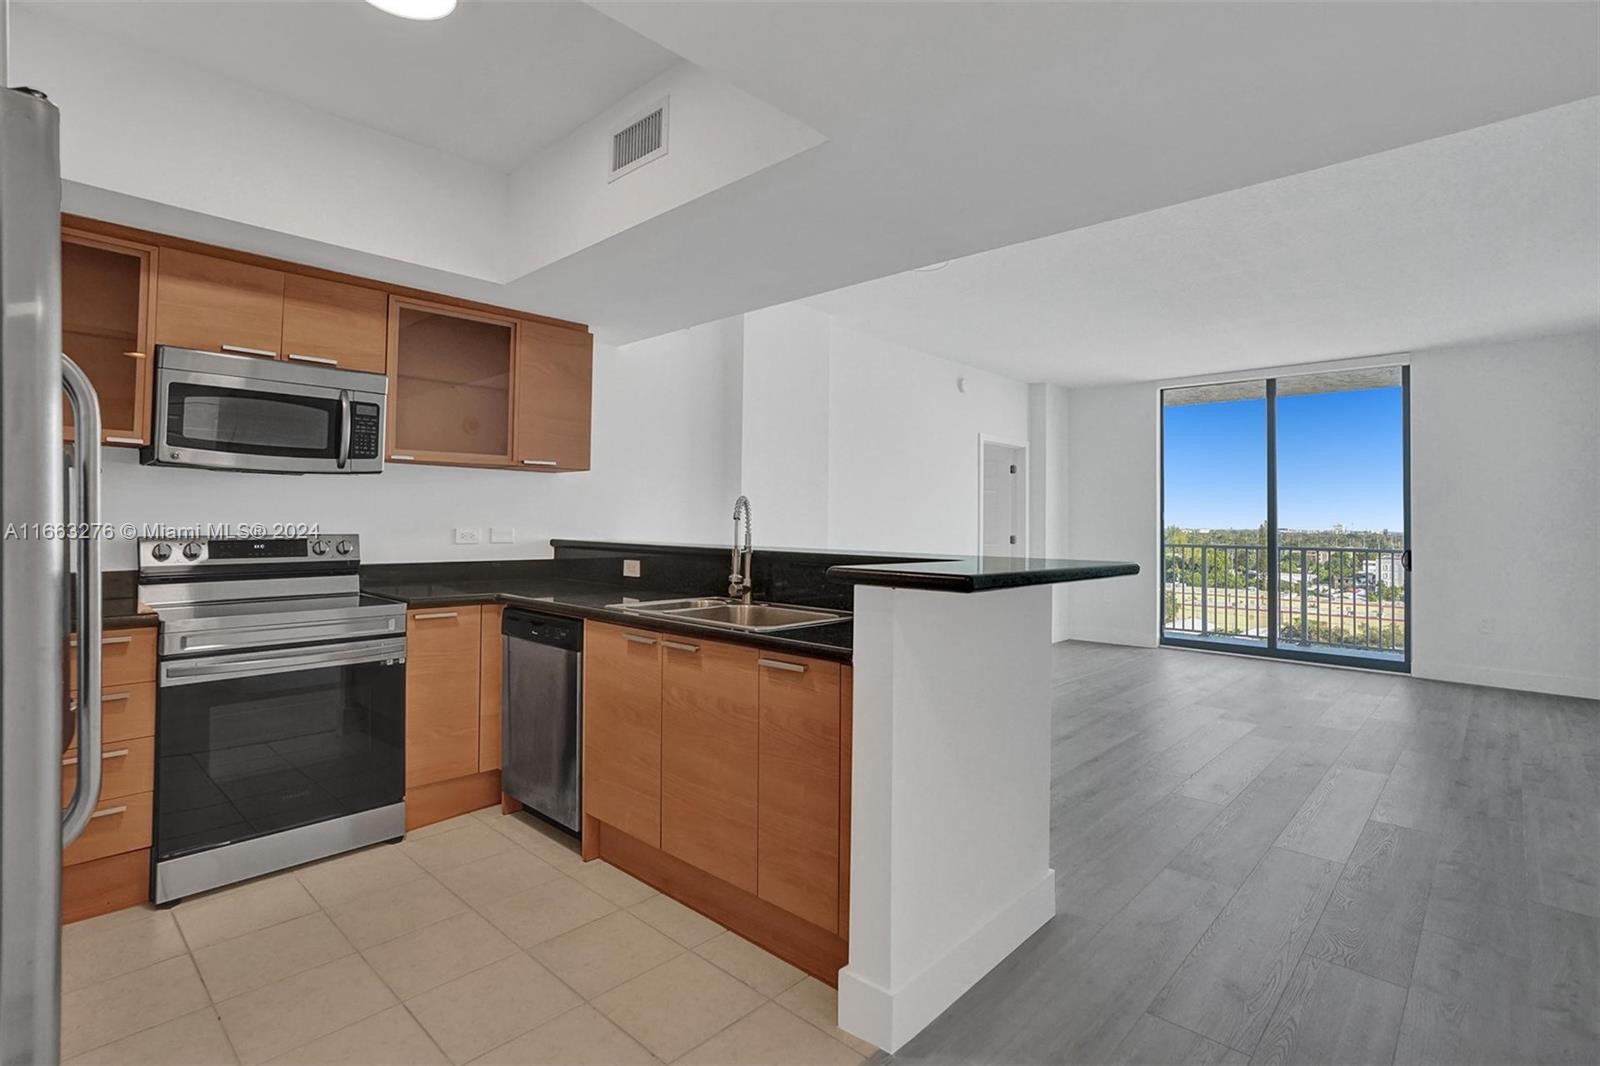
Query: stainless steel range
(280, 708)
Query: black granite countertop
(978, 573)
(545, 589)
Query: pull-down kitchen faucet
(739, 574)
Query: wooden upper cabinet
(218, 305)
(442, 647)
(708, 757)
(799, 790)
(622, 729)
(107, 303)
(554, 387)
(334, 323)
(449, 384)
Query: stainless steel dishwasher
(542, 721)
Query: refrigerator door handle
(86, 482)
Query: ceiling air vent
(639, 142)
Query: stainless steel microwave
(238, 412)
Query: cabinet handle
(634, 638)
(540, 462)
(109, 811)
(312, 359)
(72, 760)
(435, 614)
(124, 440)
(407, 458)
(134, 355)
(779, 664)
(73, 641)
(678, 646)
(239, 349)
(111, 697)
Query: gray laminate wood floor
(1273, 863)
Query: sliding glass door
(1284, 516)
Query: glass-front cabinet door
(449, 384)
(106, 304)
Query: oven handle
(344, 428)
(280, 661)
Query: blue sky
(1339, 462)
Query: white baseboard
(890, 1017)
(1497, 677)
(1130, 637)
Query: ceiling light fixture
(421, 10)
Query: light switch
(502, 535)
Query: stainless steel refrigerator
(49, 584)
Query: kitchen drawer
(129, 768)
(118, 825)
(126, 713)
(127, 656)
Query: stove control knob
(161, 552)
(319, 547)
(191, 550)
(345, 547)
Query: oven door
(248, 423)
(260, 742)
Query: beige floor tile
(302, 1008)
(113, 944)
(438, 953)
(819, 1005)
(388, 1038)
(683, 924)
(129, 1003)
(543, 911)
(267, 955)
(230, 912)
(550, 844)
(487, 1007)
(771, 1036)
(621, 889)
(372, 919)
(445, 851)
(756, 967)
(678, 1005)
(505, 874)
(194, 1039)
(343, 877)
(580, 1037)
(601, 955)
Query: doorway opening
(1002, 499)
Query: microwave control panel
(366, 426)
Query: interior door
(1002, 501)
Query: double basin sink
(728, 613)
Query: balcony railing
(1328, 598)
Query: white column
(950, 793)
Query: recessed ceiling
(1494, 232)
(493, 82)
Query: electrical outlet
(469, 536)
(502, 535)
(630, 568)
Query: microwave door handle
(344, 428)
(86, 482)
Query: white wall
(1049, 444)
(1505, 512)
(784, 466)
(903, 444)
(665, 458)
(1505, 502)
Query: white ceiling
(1488, 233)
(494, 82)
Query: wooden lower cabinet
(622, 729)
(708, 757)
(719, 774)
(491, 685)
(442, 676)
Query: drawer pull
(123, 440)
(109, 811)
(134, 355)
(406, 458)
(779, 664)
(312, 359)
(540, 462)
(72, 760)
(239, 349)
(436, 614)
(103, 641)
(113, 697)
(634, 638)
(679, 646)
